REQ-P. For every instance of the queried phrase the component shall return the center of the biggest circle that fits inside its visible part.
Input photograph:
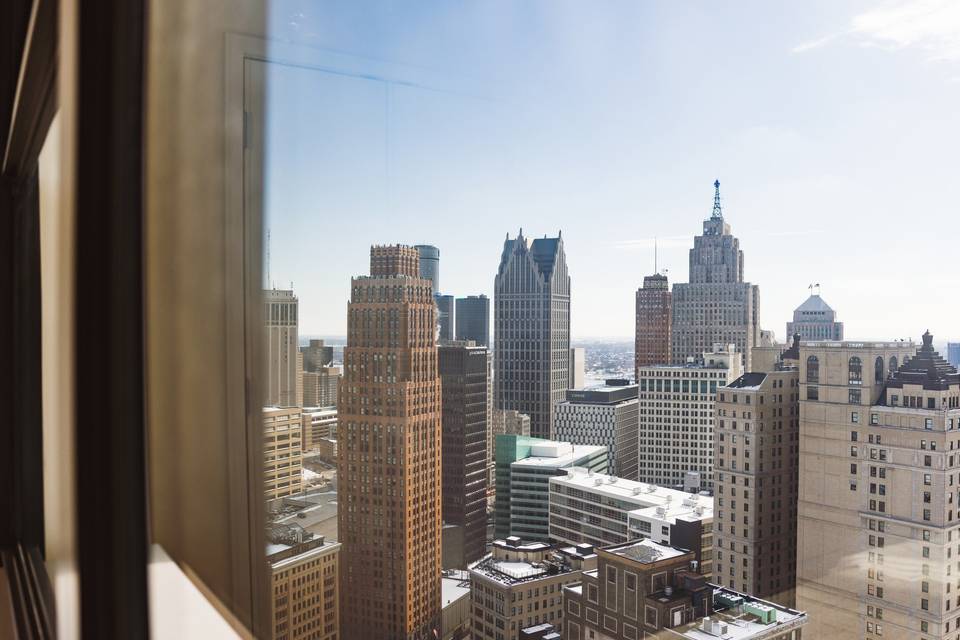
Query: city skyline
(612, 126)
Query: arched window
(855, 370)
(813, 369)
(878, 370)
(893, 364)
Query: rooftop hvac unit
(611, 479)
(598, 482)
(651, 488)
(714, 627)
(637, 490)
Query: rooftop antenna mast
(717, 212)
(655, 269)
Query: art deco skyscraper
(716, 306)
(281, 351)
(815, 320)
(532, 329)
(389, 454)
(654, 319)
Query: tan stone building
(519, 585)
(282, 451)
(877, 511)
(281, 352)
(388, 453)
(756, 463)
(305, 598)
(319, 423)
(320, 386)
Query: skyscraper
(463, 373)
(676, 417)
(281, 351)
(653, 322)
(603, 415)
(578, 368)
(953, 353)
(815, 320)
(716, 306)
(446, 316)
(876, 516)
(472, 316)
(756, 472)
(430, 264)
(389, 443)
(532, 324)
(316, 355)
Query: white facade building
(605, 416)
(676, 416)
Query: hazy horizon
(831, 126)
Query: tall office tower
(532, 325)
(446, 316)
(756, 465)
(316, 355)
(429, 264)
(463, 374)
(676, 418)
(388, 458)
(716, 306)
(876, 517)
(604, 415)
(517, 587)
(578, 367)
(654, 318)
(524, 468)
(320, 386)
(472, 315)
(953, 353)
(641, 590)
(815, 320)
(631, 510)
(282, 451)
(280, 348)
(303, 576)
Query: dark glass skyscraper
(473, 319)
(532, 324)
(463, 374)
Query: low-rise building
(518, 586)
(318, 423)
(603, 415)
(455, 619)
(644, 589)
(305, 594)
(603, 510)
(524, 468)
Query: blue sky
(832, 127)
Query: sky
(832, 126)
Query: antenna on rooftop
(717, 213)
(655, 270)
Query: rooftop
(927, 369)
(814, 304)
(608, 394)
(641, 494)
(558, 454)
(549, 561)
(748, 618)
(646, 551)
(748, 381)
(454, 584)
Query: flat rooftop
(641, 494)
(454, 584)
(558, 454)
(741, 624)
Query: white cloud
(931, 26)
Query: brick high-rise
(389, 454)
(654, 319)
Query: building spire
(717, 213)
